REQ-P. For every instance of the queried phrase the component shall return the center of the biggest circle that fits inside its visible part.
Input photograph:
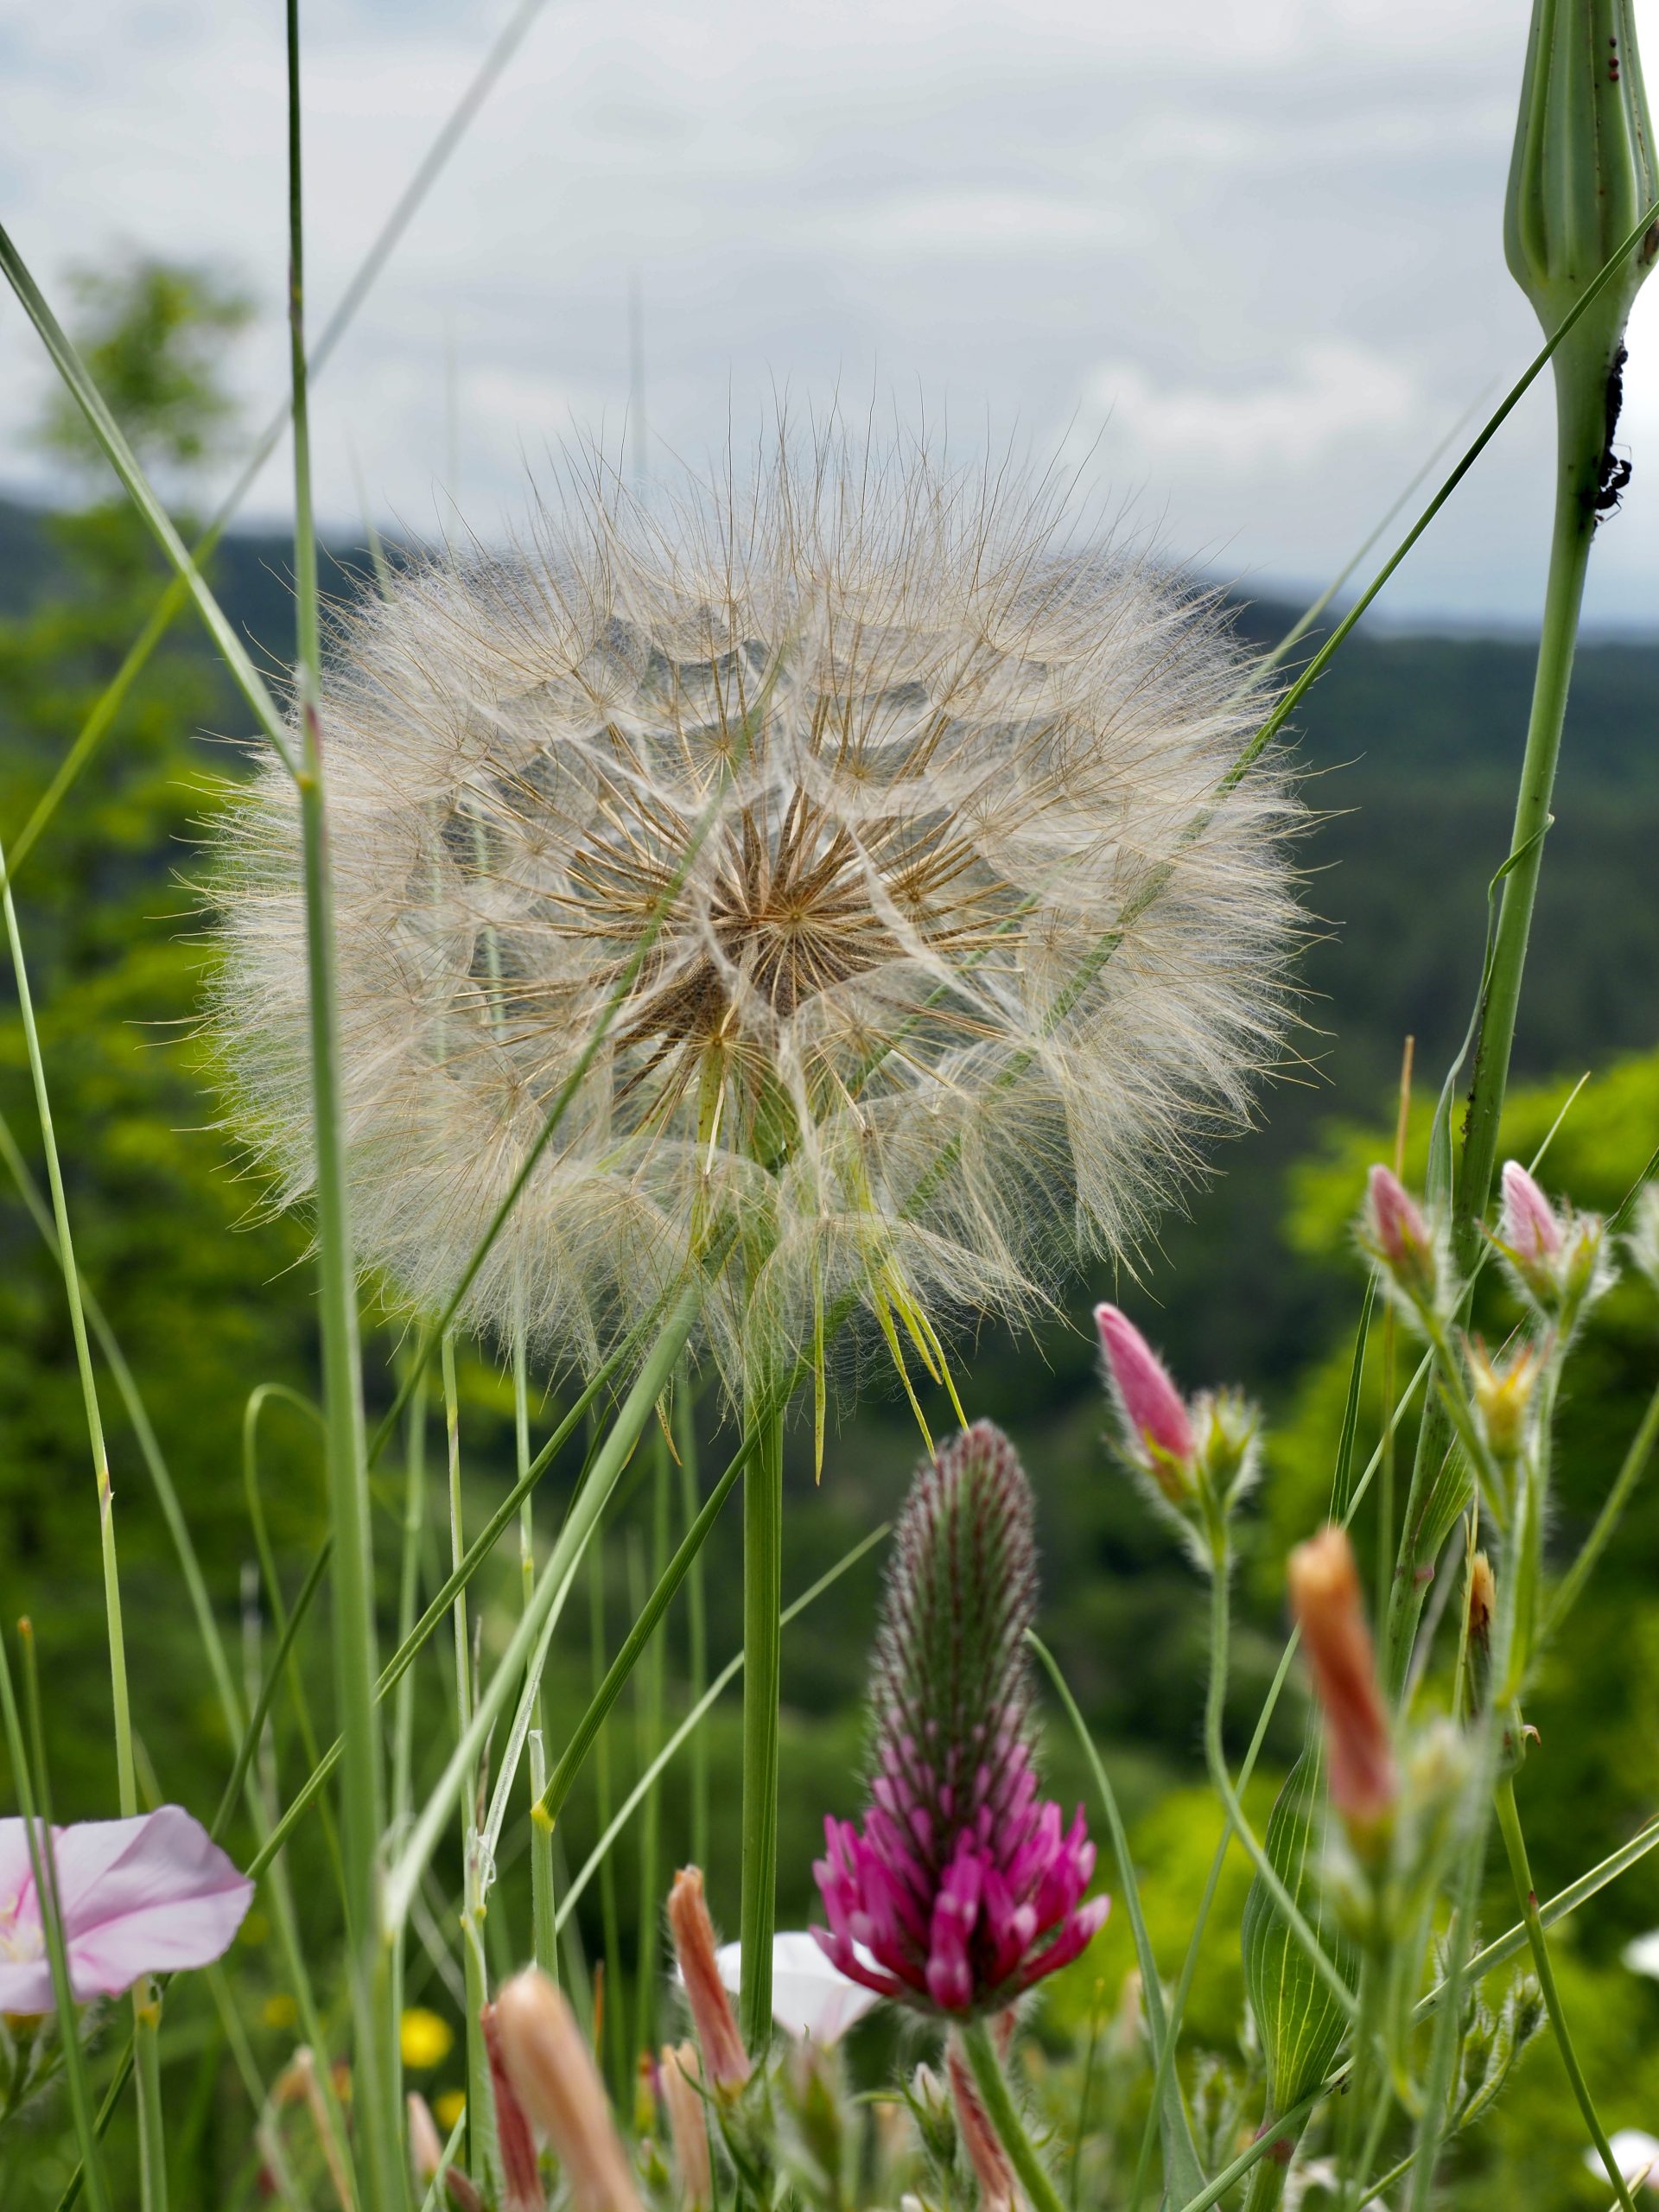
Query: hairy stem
(1004, 2116)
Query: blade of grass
(694, 1720)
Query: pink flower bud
(547, 2060)
(1527, 1223)
(724, 2058)
(1397, 1234)
(687, 2124)
(426, 2156)
(1359, 1749)
(1158, 1431)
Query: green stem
(1581, 430)
(1285, 1905)
(402, 1723)
(651, 1690)
(355, 1661)
(613, 2035)
(763, 1569)
(544, 1942)
(1003, 2114)
(1515, 1845)
(696, 1611)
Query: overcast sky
(1240, 259)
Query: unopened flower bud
(426, 2156)
(1581, 178)
(934, 2114)
(688, 2125)
(552, 2073)
(979, 2138)
(1556, 1256)
(1227, 1425)
(725, 2060)
(1397, 1235)
(1359, 1750)
(1157, 1429)
(1502, 1393)
(1480, 1600)
(521, 2178)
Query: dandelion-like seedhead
(897, 836)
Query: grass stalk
(696, 1611)
(651, 1689)
(1515, 1845)
(763, 1569)
(42, 1858)
(615, 2054)
(543, 1942)
(362, 1800)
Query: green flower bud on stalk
(1580, 178)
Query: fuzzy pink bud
(1527, 1222)
(1157, 1430)
(521, 2177)
(1399, 1235)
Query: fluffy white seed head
(962, 945)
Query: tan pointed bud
(521, 2176)
(725, 2060)
(426, 2156)
(553, 2076)
(1359, 1747)
(687, 2124)
(1483, 1603)
(1503, 1392)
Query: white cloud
(1256, 248)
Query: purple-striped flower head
(964, 1886)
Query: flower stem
(1284, 1904)
(1515, 1844)
(1581, 432)
(1003, 2114)
(763, 1569)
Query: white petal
(1641, 1954)
(1636, 2151)
(810, 1997)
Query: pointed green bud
(1581, 177)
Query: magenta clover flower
(963, 1887)
(143, 1896)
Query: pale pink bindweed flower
(967, 932)
(150, 1895)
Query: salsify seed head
(964, 1887)
(894, 839)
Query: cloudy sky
(1239, 260)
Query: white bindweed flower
(1641, 1954)
(810, 1997)
(1635, 2153)
(963, 939)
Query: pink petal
(144, 1895)
(1151, 1408)
(1528, 1223)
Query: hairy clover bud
(546, 2058)
(964, 1887)
(1199, 1456)
(1394, 1231)
(1557, 1256)
(723, 2053)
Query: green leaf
(1299, 2021)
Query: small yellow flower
(449, 2107)
(280, 2011)
(425, 2038)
